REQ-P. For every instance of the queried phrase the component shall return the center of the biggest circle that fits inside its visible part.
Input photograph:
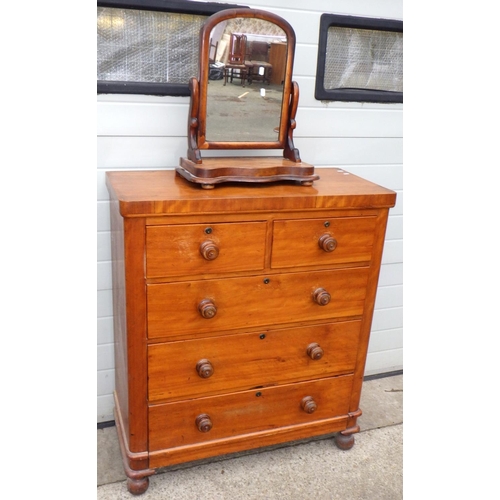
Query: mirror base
(245, 169)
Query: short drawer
(176, 250)
(194, 368)
(197, 307)
(205, 419)
(311, 242)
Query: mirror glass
(247, 63)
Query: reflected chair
(236, 60)
(262, 69)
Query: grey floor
(237, 113)
(371, 470)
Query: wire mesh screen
(364, 59)
(147, 46)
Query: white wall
(145, 132)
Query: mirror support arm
(291, 152)
(193, 152)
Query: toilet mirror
(245, 81)
(244, 99)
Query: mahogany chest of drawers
(241, 314)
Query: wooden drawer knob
(327, 243)
(321, 296)
(314, 351)
(308, 404)
(209, 250)
(207, 308)
(204, 368)
(203, 422)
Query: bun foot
(137, 486)
(344, 442)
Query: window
(359, 59)
(149, 46)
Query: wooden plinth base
(245, 169)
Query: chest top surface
(159, 192)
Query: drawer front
(322, 242)
(193, 368)
(184, 308)
(178, 250)
(218, 417)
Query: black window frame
(357, 95)
(177, 6)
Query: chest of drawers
(241, 314)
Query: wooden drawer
(175, 424)
(193, 368)
(176, 250)
(178, 308)
(322, 242)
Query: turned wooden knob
(314, 351)
(308, 404)
(321, 296)
(209, 250)
(203, 422)
(327, 243)
(204, 368)
(207, 308)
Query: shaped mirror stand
(244, 99)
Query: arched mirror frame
(248, 169)
(288, 87)
(213, 21)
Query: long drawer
(217, 365)
(233, 303)
(205, 419)
(322, 242)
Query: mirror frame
(199, 95)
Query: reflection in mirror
(246, 76)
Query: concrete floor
(316, 470)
